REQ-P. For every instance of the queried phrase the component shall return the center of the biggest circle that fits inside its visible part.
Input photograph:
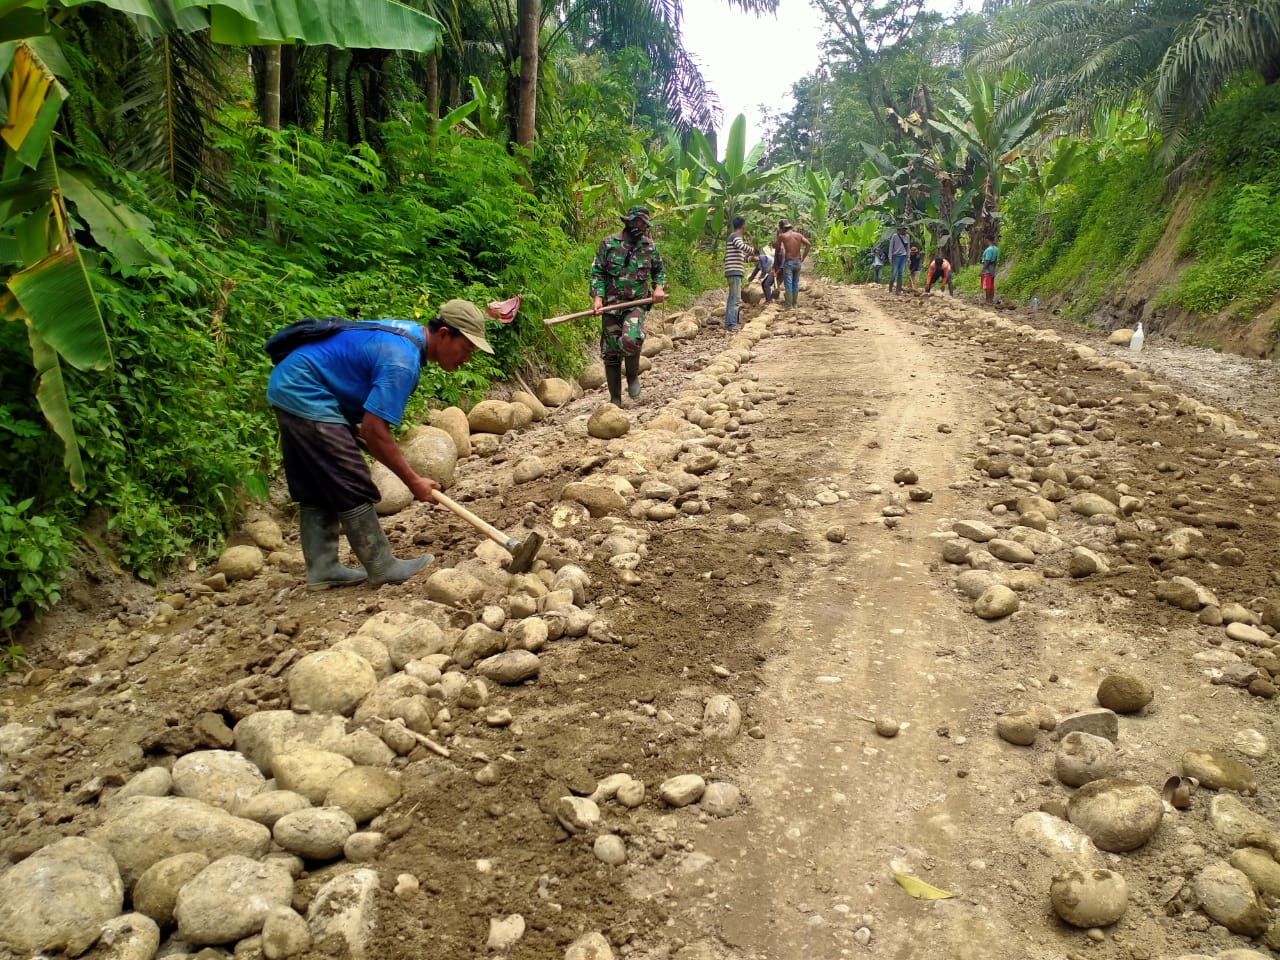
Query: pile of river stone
(211, 851)
(1062, 518)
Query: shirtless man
(790, 246)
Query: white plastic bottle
(1135, 342)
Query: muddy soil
(814, 594)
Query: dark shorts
(324, 465)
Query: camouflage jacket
(625, 271)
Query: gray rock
(476, 643)
(284, 934)
(156, 892)
(266, 808)
(315, 834)
(491, 416)
(1064, 844)
(1124, 693)
(141, 831)
(454, 588)
(590, 946)
(364, 847)
(1218, 772)
(58, 898)
(1084, 562)
(600, 501)
(331, 681)
(240, 563)
(1261, 869)
(975, 530)
(577, 814)
(1227, 896)
(229, 900)
(221, 778)
(344, 910)
(721, 799)
(554, 392)
(309, 773)
(608, 422)
(510, 667)
(974, 583)
(1010, 551)
(956, 551)
(721, 718)
(1232, 819)
(1019, 728)
(1037, 540)
(1082, 758)
(151, 782)
(260, 735)
(405, 636)
(1245, 633)
(530, 634)
(431, 452)
(610, 849)
(996, 601)
(682, 790)
(131, 936)
(454, 422)
(1092, 505)
(1098, 721)
(371, 649)
(364, 792)
(1089, 898)
(1117, 815)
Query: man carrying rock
(626, 263)
(333, 397)
(790, 247)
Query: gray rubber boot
(632, 363)
(374, 550)
(318, 530)
(613, 377)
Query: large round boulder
(491, 416)
(59, 897)
(454, 422)
(1117, 815)
(331, 681)
(432, 453)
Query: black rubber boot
(632, 363)
(318, 530)
(374, 550)
(613, 377)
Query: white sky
(751, 60)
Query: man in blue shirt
(333, 397)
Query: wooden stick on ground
(424, 740)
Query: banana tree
(44, 282)
(735, 185)
(991, 137)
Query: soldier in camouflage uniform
(626, 263)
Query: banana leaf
(58, 304)
(378, 24)
(118, 228)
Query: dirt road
(770, 611)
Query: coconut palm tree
(1172, 56)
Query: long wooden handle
(607, 308)
(488, 529)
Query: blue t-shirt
(336, 380)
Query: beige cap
(465, 317)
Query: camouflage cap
(639, 211)
(465, 317)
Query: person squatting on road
(626, 263)
(913, 266)
(790, 247)
(764, 270)
(735, 261)
(334, 396)
(939, 272)
(899, 251)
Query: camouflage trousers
(621, 335)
